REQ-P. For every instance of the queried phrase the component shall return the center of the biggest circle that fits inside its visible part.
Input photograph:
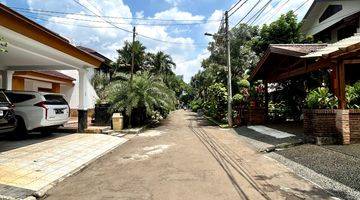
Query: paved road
(184, 158)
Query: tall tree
(161, 63)
(123, 62)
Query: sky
(183, 40)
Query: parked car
(38, 110)
(7, 115)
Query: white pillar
(82, 109)
(82, 89)
(7, 79)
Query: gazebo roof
(280, 58)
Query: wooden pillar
(341, 85)
(266, 100)
(338, 83)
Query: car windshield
(3, 99)
(53, 99)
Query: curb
(43, 191)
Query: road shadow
(9, 142)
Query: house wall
(311, 25)
(73, 93)
(33, 85)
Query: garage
(40, 52)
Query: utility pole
(227, 34)
(132, 55)
(132, 66)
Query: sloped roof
(330, 48)
(18, 23)
(298, 48)
(278, 52)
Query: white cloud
(107, 40)
(272, 11)
(212, 26)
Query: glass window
(330, 11)
(52, 99)
(18, 98)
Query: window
(52, 99)
(18, 98)
(330, 11)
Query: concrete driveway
(185, 158)
(29, 166)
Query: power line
(277, 3)
(277, 10)
(257, 3)
(259, 12)
(237, 8)
(110, 17)
(301, 5)
(237, 3)
(126, 23)
(128, 31)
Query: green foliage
(3, 45)
(321, 98)
(243, 83)
(353, 96)
(238, 98)
(99, 82)
(123, 63)
(216, 101)
(146, 97)
(285, 30)
(160, 63)
(196, 104)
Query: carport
(31, 46)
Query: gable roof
(18, 23)
(282, 55)
(310, 23)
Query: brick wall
(354, 125)
(320, 123)
(254, 116)
(336, 124)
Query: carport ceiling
(27, 54)
(33, 47)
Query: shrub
(145, 98)
(353, 96)
(321, 98)
(216, 102)
(196, 104)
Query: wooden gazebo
(342, 59)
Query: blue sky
(186, 44)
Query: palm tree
(123, 62)
(147, 97)
(161, 63)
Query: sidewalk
(30, 167)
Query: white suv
(38, 110)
